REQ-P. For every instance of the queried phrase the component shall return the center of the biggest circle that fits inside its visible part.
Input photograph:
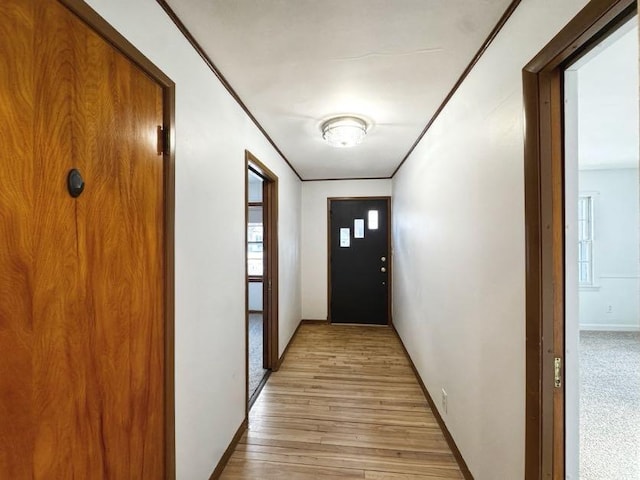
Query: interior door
(81, 277)
(359, 261)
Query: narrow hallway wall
(459, 249)
(314, 235)
(212, 133)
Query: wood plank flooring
(344, 405)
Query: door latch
(557, 372)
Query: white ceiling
(295, 63)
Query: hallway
(345, 404)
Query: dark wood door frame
(167, 141)
(390, 276)
(545, 239)
(270, 273)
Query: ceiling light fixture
(345, 131)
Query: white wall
(255, 296)
(314, 235)
(212, 133)
(608, 143)
(255, 188)
(571, 300)
(459, 249)
(614, 301)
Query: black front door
(359, 261)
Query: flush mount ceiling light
(344, 131)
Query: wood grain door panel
(17, 246)
(82, 304)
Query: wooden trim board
(256, 393)
(345, 178)
(311, 321)
(483, 48)
(286, 349)
(198, 48)
(207, 60)
(217, 472)
(443, 426)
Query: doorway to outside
(261, 275)
(576, 389)
(359, 260)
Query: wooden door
(81, 279)
(359, 261)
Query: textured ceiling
(295, 63)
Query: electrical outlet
(610, 309)
(445, 401)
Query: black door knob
(75, 183)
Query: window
(373, 219)
(585, 240)
(255, 241)
(254, 249)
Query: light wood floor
(344, 405)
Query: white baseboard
(604, 327)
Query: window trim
(251, 242)
(590, 285)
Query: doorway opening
(554, 264)
(261, 275)
(602, 260)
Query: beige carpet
(256, 372)
(610, 406)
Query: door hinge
(163, 140)
(557, 372)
